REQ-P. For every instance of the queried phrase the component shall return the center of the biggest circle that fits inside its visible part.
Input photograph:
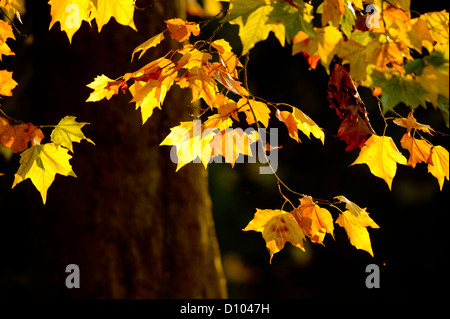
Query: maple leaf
(297, 120)
(356, 229)
(227, 58)
(121, 10)
(315, 221)
(191, 58)
(351, 206)
(439, 167)
(322, 45)
(201, 84)
(397, 88)
(101, 88)
(381, 155)
(277, 227)
(7, 83)
(17, 137)
(41, 163)
(6, 32)
(151, 84)
(419, 150)
(437, 23)
(67, 131)
(252, 16)
(225, 107)
(150, 43)
(332, 11)
(350, 52)
(261, 110)
(294, 18)
(436, 84)
(411, 123)
(181, 30)
(343, 96)
(230, 143)
(191, 140)
(70, 14)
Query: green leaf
(347, 21)
(68, 131)
(293, 19)
(443, 107)
(243, 9)
(41, 163)
(254, 26)
(398, 88)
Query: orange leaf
(17, 137)
(181, 30)
(201, 84)
(419, 150)
(7, 84)
(261, 110)
(314, 220)
(277, 227)
(411, 123)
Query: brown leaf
(343, 96)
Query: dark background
(409, 248)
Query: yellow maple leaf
(356, 229)
(41, 163)
(322, 46)
(227, 58)
(315, 221)
(121, 10)
(297, 120)
(7, 83)
(70, 14)
(6, 32)
(439, 166)
(150, 43)
(101, 89)
(261, 110)
(191, 140)
(381, 155)
(201, 84)
(231, 143)
(277, 227)
(435, 82)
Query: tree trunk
(135, 228)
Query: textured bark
(134, 227)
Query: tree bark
(135, 228)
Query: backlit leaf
(7, 83)
(356, 229)
(67, 131)
(181, 30)
(315, 221)
(277, 228)
(382, 156)
(150, 43)
(419, 150)
(439, 168)
(41, 163)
